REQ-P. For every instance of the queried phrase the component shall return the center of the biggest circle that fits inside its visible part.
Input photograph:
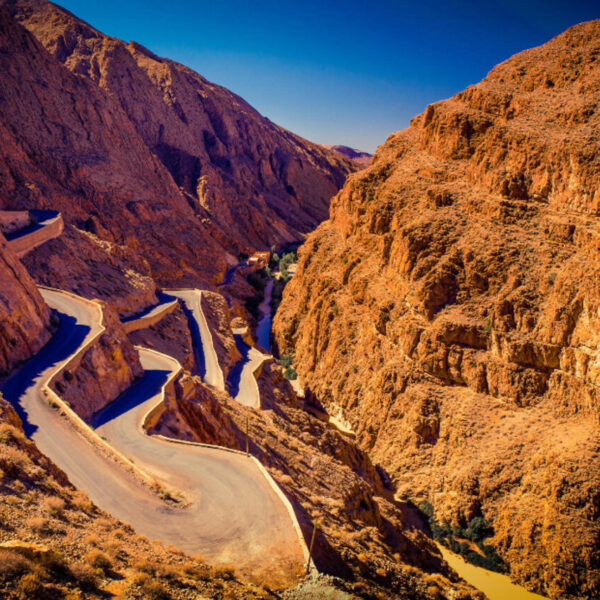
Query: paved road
(242, 383)
(204, 350)
(47, 225)
(234, 516)
(241, 380)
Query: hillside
(139, 209)
(260, 184)
(449, 308)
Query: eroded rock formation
(374, 544)
(24, 316)
(450, 306)
(105, 370)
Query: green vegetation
(286, 360)
(461, 540)
(290, 374)
(487, 327)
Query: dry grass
(98, 560)
(54, 506)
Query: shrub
(225, 572)
(290, 373)
(13, 565)
(99, 560)
(286, 360)
(426, 508)
(85, 575)
(487, 327)
(54, 506)
(81, 502)
(151, 589)
(478, 529)
(30, 587)
(8, 434)
(39, 525)
(13, 461)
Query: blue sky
(338, 72)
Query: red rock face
(24, 316)
(259, 183)
(450, 306)
(68, 145)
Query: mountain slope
(259, 183)
(67, 145)
(450, 307)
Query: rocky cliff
(450, 306)
(69, 146)
(260, 184)
(105, 370)
(372, 543)
(24, 316)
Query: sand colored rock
(171, 335)
(357, 156)
(373, 543)
(450, 307)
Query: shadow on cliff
(19, 388)
(235, 374)
(143, 389)
(199, 360)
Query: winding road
(233, 516)
(207, 361)
(234, 512)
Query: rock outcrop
(24, 317)
(372, 543)
(450, 306)
(104, 371)
(67, 145)
(260, 184)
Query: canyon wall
(24, 317)
(373, 543)
(450, 306)
(105, 370)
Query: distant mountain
(357, 156)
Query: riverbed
(494, 585)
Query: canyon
(426, 373)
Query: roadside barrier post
(312, 543)
(247, 443)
